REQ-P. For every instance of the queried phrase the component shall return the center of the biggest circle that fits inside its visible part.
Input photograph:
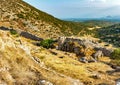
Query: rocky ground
(74, 61)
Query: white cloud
(98, 0)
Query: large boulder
(89, 50)
(69, 45)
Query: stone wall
(23, 34)
(82, 47)
(30, 36)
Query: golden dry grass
(20, 67)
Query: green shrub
(20, 16)
(13, 32)
(48, 43)
(116, 54)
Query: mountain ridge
(28, 18)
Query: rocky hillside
(20, 63)
(20, 15)
(24, 63)
(67, 61)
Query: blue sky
(78, 8)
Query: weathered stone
(44, 82)
(97, 55)
(106, 52)
(84, 48)
(84, 60)
(30, 36)
(96, 76)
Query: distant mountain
(107, 18)
(112, 17)
(100, 23)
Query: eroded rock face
(44, 82)
(83, 47)
(105, 51)
(69, 45)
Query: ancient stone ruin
(85, 49)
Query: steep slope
(23, 63)
(20, 66)
(20, 15)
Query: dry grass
(19, 67)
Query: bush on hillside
(116, 54)
(20, 15)
(115, 57)
(48, 43)
(13, 32)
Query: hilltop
(20, 15)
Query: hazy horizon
(78, 8)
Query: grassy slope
(18, 66)
(75, 27)
(25, 12)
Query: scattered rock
(105, 51)
(54, 53)
(96, 76)
(4, 28)
(83, 59)
(44, 82)
(61, 57)
(117, 81)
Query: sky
(78, 8)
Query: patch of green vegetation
(20, 15)
(100, 23)
(48, 43)
(13, 32)
(116, 57)
(110, 34)
(116, 54)
(42, 57)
